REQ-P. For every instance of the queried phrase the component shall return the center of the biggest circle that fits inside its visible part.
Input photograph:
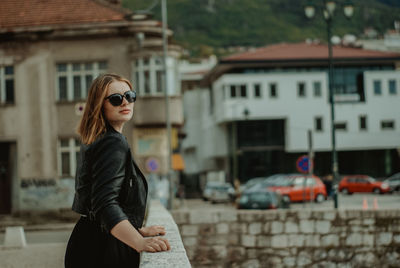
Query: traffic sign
(152, 164)
(302, 164)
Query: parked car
(218, 192)
(259, 199)
(266, 182)
(250, 183)
(393, 182)
(293, 189)
(362, 184)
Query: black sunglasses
(117, 99)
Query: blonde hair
(93, 121)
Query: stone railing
(176, 257)
(291, 238)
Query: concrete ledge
(176, 257)
(15, 237)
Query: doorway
(5, 178)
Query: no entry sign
(302, 164)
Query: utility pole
(167, 116)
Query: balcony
(151, 111)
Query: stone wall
(290, 238)
(174, 258)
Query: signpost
(152, 165)
(303, 163)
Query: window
(6, 84)
(74, 79)
(257, 90)
(387, 125)
(363, 122)
(301, 89)
(148, 77)
(392, 87)
(273, 92)
(341, 126)
(377, 87)
(233, 91)
(68, 156)
(238, 91)
(318, 124)
(243, 91)
(317, 89)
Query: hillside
(210, 26)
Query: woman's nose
(124, 102)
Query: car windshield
(276, 180)
(283, 182)
(261, 197)
(371, 179)
(254, 181)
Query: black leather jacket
(109, 187)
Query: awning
(177, 162)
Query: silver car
(394, 182)
(218, 192)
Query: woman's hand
(152, 230)
(154, 244)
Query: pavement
(43, 255)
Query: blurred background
(228, 91)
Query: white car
(218, 192)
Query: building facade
(49, 54)
(254, 110)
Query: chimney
(114, 2)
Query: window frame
(237, 90)
(257, 89)
(316, 120)
(341, 123)
(156, 76)
(273, 88)
(301, 83)
(69, 74)
(319, 95)
(72, 149)
(377, 91)
(390, 82)
(3, 84)
(388, 121)
(360, 123)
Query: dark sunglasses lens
(115, 100)
(130, 96)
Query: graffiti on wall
(25, 183)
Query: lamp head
(348, 9)
(309, 10)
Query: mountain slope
(205, 26)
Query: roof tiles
(305, 51)
(26, 13)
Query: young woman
(110, 190)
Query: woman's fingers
(160, 230)
(158, 244)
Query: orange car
(292, 188)
(362, 184)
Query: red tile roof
(305, 51)
(26, 13)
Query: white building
(254, 109)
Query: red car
(292, 188)
(362, 184)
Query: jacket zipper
(130, 182)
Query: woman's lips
(127, 111)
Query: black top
(108, 184)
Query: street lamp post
(168, 121)
(165, 85)
(328, 12)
